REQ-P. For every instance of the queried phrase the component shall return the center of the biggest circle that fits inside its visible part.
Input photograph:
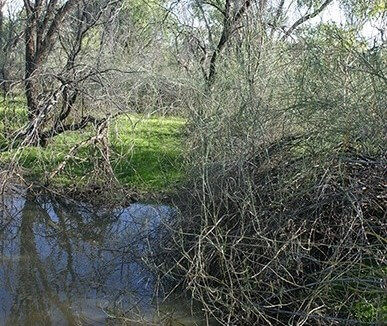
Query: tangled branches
(278, 240)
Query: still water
(66, 263)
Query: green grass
(145, 153)
(148, 151)
(13, 115)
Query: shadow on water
(66, 263)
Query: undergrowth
(144, 152)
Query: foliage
(133, 141)
(365, 8)
(282, 221)
(271, 126)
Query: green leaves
(142, 12)
(378, 8)
(364, 9)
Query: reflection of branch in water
(88, 224)
(78, 222)
(34, 294)
(71, 253)
(66, 241)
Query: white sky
(332, 13)
(12, 6)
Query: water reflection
(63, 263)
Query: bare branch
(57, 20)
(305, 18)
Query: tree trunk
(31, 90)
(3, 74)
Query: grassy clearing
(145, 152)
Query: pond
(67, 263)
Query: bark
(40, 30)
(229, 22)
(43, 21)
(3, 73)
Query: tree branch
(57, 20)
(305, 18)
(228, 22)
(27, 5)
(68, 127)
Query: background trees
(284, 138)
(78, 52)
(274, 228)
(57, 36)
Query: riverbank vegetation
(74, 161)
(265, 125)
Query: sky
(332, 13)
(12, 5)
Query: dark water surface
(66, 263)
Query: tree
(58, 31)
(2, 3)
(221, 21)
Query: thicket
(283, 219)
(282, 208)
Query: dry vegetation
(281, 166)
(283, 219)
